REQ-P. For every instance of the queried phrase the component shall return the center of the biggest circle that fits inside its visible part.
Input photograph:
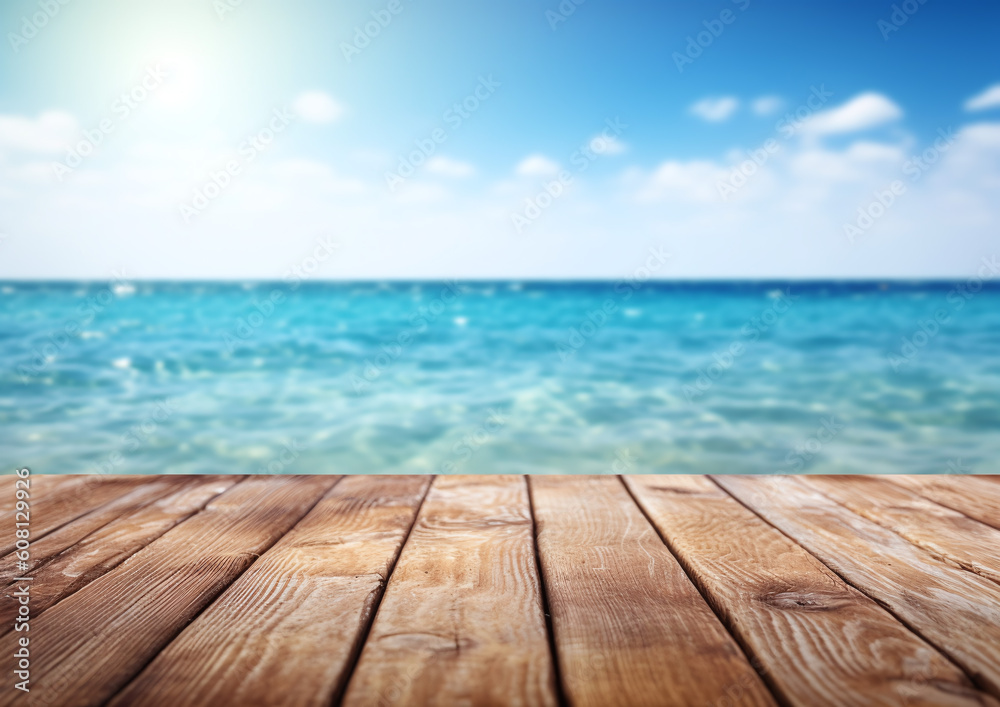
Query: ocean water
(500, 377)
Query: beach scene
(555, 353)
(637, 376)
(345, 253)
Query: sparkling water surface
(500, 377)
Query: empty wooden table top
(504, 590)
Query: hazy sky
(229, 138)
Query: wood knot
(806, 600)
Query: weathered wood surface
(976, 497)
(938, 529)
(101, 636)
(816, 639)
(462, 622)
(631, 627)
(68, 501)
(51, 544)
(42, 486)
(110, 545)
(956, 610)
(293, 620)
(376, 590)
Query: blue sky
(523, 184)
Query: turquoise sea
(501, 377)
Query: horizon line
(987, 281)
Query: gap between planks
(954, 610)
(542, 583)
(787, 608)
(108, 631)
(104, 548)
(296, 599)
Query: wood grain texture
(287, 630)
(112, 544)
(41, 485)
(70, 500)
(51, 544)
(943, 532)
(817, 640)
(101, 636)
(975, 496)
(955, 610)
(630, 627)
(461, 622)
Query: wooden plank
(818, 640)
(955, 610)
(50, 545)
(462, 621)
(287, 631)
(109, 546)
(975, 496)
(98, 638)
(40, 485)
(70, 500)
(941, 531)
(630, 627)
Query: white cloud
(51, 132)
(30, 173)
(318, 174)
(787, 220)
(861, 161)
(537, 166)
(607, 145)
(421, 193)
(864, 111)
(788, 216)
(447, 167)
(684, 181)
(990, 98)
(986, 135)
(767, 105)
(316, 107)
(715, 110)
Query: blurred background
(556, 237)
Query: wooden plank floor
(506, 590)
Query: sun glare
(184, 79)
